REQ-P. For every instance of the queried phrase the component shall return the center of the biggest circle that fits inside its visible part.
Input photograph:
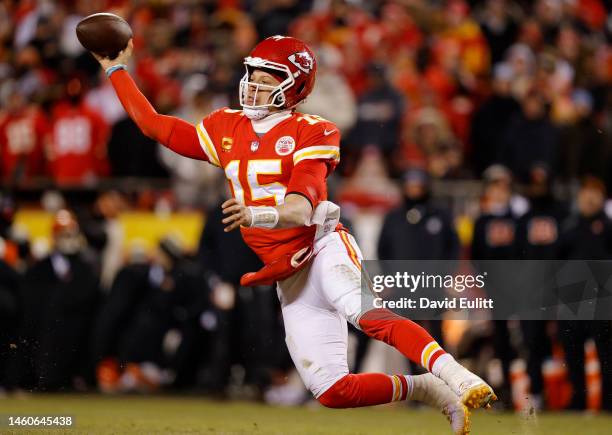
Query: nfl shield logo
(254, 145)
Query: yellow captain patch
(226, 143)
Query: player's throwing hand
(238, 215)
(122, 58)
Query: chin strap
(256, 114)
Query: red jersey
(77, 147)
(21, 142)
(258, 168)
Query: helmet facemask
(277, 93)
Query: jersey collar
(263, 126)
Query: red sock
(406, 336)
(365, 389)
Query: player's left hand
(237, 215)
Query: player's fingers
(233, 226)
(234, 212)
(231, 218)
(232, 209)
(101, 60)
(241, 219)
(229, 202)
(128, 49)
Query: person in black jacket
(495, 229)
(132, 154)
(585, 145)
(59, 296)
(539, 238)
(418, 230)
(494, 239)
(491, 121)
(531, 138)
(588, 236)
(539, 229)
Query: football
(104, 34)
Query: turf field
(166, 415)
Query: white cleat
(473, 391)
(458, 415)
(436, 393)
(478, 395)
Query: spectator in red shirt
(77, 145)
(22, 131)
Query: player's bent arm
(294, 212)
(306, 188)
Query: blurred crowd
(452, 86)
(514, 94)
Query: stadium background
(471, 129)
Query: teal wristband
(112, 69)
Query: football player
(276, 161)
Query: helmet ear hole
(301, 88)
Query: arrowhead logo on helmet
(303, 60)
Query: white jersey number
(72, 135)
(254, 169)
(20, 136)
